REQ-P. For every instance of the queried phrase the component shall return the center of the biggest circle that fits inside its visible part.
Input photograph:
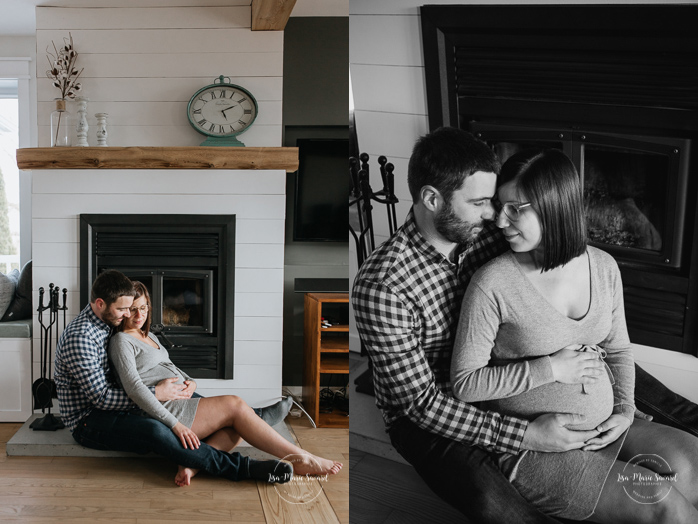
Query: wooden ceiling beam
(271, 15)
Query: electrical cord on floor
(298, 403)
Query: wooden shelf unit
(326, 351)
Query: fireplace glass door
(625, 196)
(182, 299)
(634, 189)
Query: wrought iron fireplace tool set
(44, 388)
(361, 213)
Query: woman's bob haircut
(548, 179)
(141, 291)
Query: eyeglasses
(511, 209)
(143, 309)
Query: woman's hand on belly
(611, 429)
(189, 388)
(571, 366)
(168, 389)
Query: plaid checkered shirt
(82, 371)
(406, 299)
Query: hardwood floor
(388, 492)
(142, 491)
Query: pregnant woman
(552, 291)
(141, 361)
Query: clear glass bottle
(60, 124)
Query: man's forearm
(456, 420)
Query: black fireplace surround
(616, 88)
(187, 263)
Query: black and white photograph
(524, 271)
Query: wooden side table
(326, 351)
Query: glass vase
(60, 124)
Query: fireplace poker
(65, 307)
(44, 388)
(36, 386)
(55, 308)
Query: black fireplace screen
(588, 80)
(187, 263)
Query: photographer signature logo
(647, 479)
(300, 489)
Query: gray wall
(316, 94)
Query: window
(9, 176)
(15, 190)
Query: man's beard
(454, 229)
(112, 320)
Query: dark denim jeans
(467, 478)
(464, 476)
(130, 431)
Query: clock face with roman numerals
(222, 110)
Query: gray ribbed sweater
(138, 366)
(506, 332)
(507, 329)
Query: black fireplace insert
(616, 88)
(187, 263)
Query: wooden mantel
(271, 15)
(285, 158)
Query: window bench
(16, 370)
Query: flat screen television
(321, 203)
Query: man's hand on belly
(548, 433)
(610, 430)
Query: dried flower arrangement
(63, 71)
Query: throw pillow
(8, 284)
(21, 306)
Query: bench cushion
(16, 329)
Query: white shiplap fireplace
(255, 196)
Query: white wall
(257, 198)
(143, 64)
(387, 73)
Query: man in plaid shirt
(100, 414)
(406, 299)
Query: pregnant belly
(596, 404)
(160, 372)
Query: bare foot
(307, 464)
(184, 476)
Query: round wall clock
(221, 111)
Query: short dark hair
(110, 285)
(549, 180)
(141, 291)
(445, 158)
